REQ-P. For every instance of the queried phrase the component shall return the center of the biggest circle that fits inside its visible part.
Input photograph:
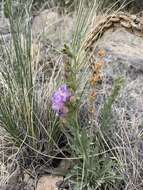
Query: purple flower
(59, 99)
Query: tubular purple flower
(65, 93)
(59, 99)
(57, 107)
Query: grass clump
(16, 74)
(24, 111)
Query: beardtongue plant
(90, 170)
(93, 169)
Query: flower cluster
(59, 100)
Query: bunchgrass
(25, 111)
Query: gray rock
(50, 25)
(50, 32)
(123, 47)
(124, 58)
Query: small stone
(49, 182)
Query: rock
(123, 47)
(50, 32)
(48, 182)
(123, 58)
(53, 26)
